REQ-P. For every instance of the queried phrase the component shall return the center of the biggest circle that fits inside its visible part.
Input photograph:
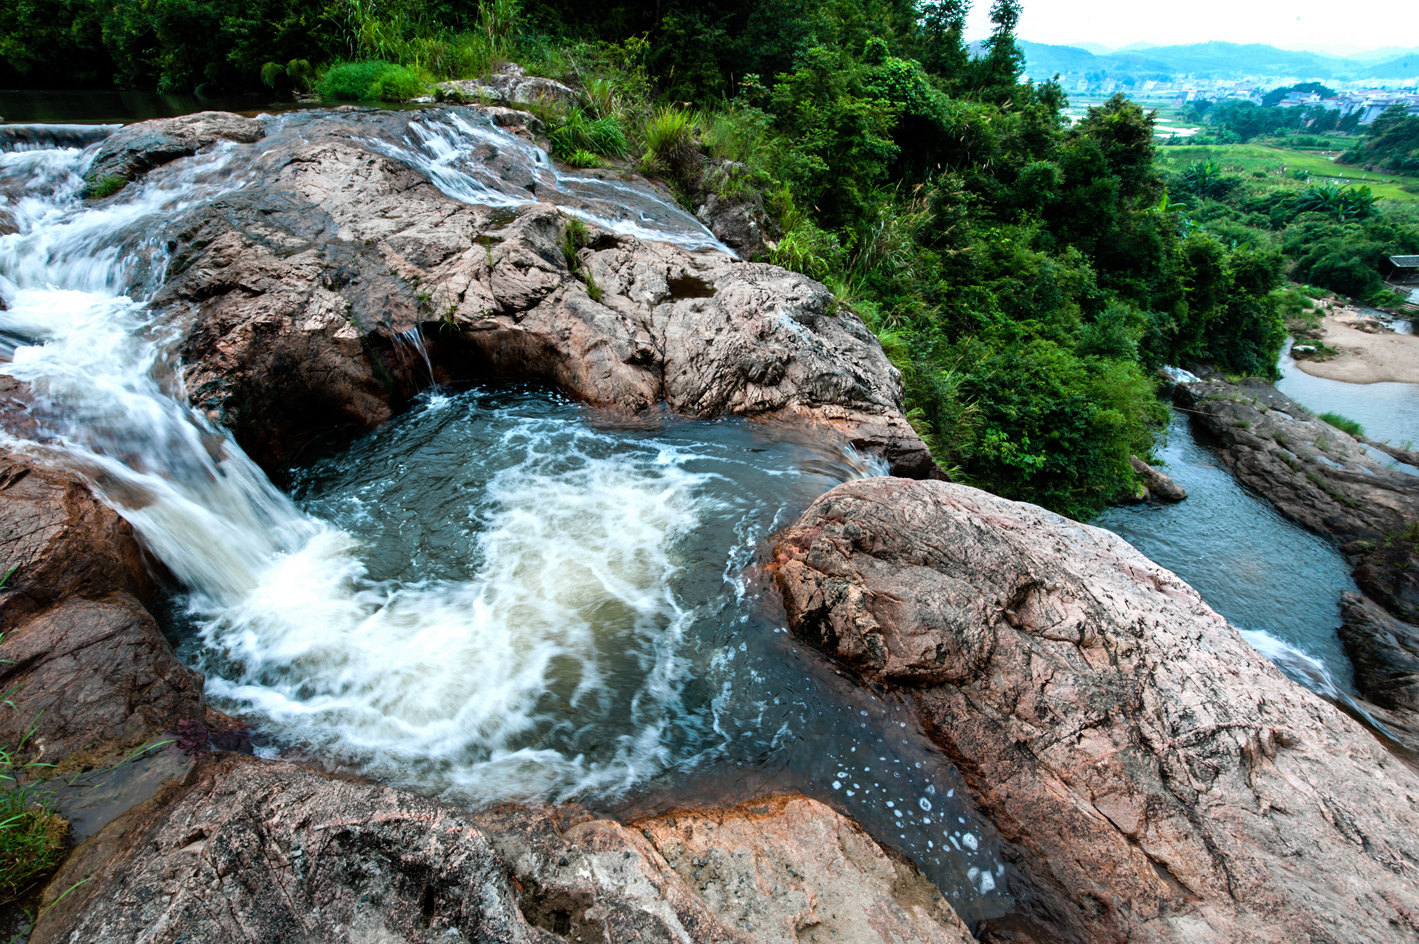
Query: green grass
(1246, 159)
(1344, 424)
(369, 82)
(583, 158)
(577, 131)
(32, 836)
(106, 187)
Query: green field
(1250, 159)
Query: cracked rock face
(297, 292)
(1159, 779)
(249, 850)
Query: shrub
(370, 81)
(671, 148)
(397, 85)
(1344, 424)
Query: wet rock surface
(789, 869)
(302, 288)
(1159, 485)
(138, 148)
(250, 850)
(86, 670)
(1158, 778)
(1385, 653)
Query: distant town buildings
(1370, 102)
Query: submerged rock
(1158, 778)
(1159, 485)
(262, 851)
(297, 297)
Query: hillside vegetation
(1027, 277)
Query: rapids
(498, 596)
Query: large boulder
(1159, 780)
(259, 851)
(89, 679)
(138, 148)
(510, 85)
(87, 673)
(342, 280)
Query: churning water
(499, 595)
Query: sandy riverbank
(1364, 358)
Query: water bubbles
(925, 804)
(838, 785)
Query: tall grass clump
(372, 80)
(670, 144)
(1344, 424)
(578, 131)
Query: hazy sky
(1317, 25)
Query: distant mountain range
(1213, 61)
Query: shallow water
(1271, 578)
(499, 595)
(1388, 411)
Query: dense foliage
(1336, 237)
(1391, 143)
(1027, 276)
(1236, 122)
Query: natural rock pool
(500, 595)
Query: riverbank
(1366, 356)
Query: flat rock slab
(789, 869)
(251, 850)
(1159, 779)
(140, 147)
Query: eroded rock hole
(689, 286)
(562, 913)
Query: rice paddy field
(1279, 164)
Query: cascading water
(471, 160)
(497, 596)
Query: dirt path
(1365, 358)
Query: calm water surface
(1274, 580)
